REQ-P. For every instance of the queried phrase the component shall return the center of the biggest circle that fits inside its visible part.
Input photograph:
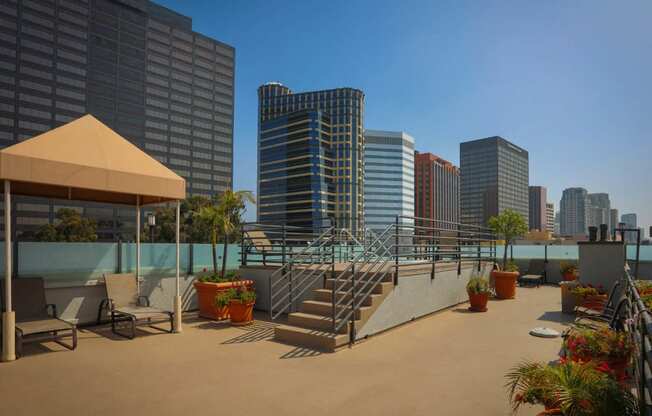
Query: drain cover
(544, 332)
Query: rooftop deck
(450, 363)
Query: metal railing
(639, 326)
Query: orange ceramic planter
(206, 293)
(478, 301)
(505, 284)
(241, 313)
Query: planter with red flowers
(568, 271)
(609, 350)
(240, 302)
(590, 297)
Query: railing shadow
(257, 331)
(300, 352)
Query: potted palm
(568, 388)
(478, 291)
(508, 225)
(223, 215)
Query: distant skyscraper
(538, 196)
(388, 178)
(136, 66)
(574, 212)
(345, 108)
(550, 217)
(296, 176)
(494, 176)
(613, 219)
(557, 230)
(600, 211)
(630, 221)
(437, 189)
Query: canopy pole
(138, 244)
(177, 299)
(9, 316)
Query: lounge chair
(37, 320)
(535, 273)
(124, 304)
(260, 242)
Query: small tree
(70, 227)
(508, 224)
(232, 206)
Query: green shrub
(477, 285)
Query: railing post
(458, 245)
(290, 299)
(191, 259)
(433, 244)
(638, 253)
(396, 248)
(353, 298)
(478, 242)
(332, 257)
(118, 262)
(283, 236)
(243, 253)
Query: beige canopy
(85, 160)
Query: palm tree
(223, 216)
(231, 206)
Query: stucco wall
(418, 295)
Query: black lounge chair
(37, 320)
(124, 304)
(536, 272)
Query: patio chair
(124, 304)
(37, 320)
(260, 242)
(536, 272)
(609, 308)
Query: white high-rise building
(388, 178)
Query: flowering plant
(644, 287)
(588, 290)
(598, 345)
(566, 267)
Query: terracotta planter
(593, 302)
(206, 293)
(241, 313)
(569, 277)
(551, 412)
(478, 301)
(505, 284)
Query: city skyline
(451, 78)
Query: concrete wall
(79, 303)
(418, 295)
(601, 264)
(260, 276)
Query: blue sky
(570, 81)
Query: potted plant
(644, 287)
(568, 271)
(590, 297)
(209, 285)
(610, 350)
(568, 388)
(478, 291)
(240, 302)
(508, 225)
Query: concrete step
(304, 337)
(312, 321)
(344, 285)
(316, 307)
(325, 295)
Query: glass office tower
(296, 170)
(345, 109)
(136, 66)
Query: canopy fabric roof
(87, 161)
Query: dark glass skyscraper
(136, 66)
(494, 176)
(296, 170)
(345, 108)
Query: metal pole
(545, 263)
(396, 248)
(138, 244)
(638, 253)
(9, 316)
(177, 299)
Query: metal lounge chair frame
(260, 242)
(536, 272)
(37, 320)
(126, 305)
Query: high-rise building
(574, 212)
(437, 189)
(494, 176)
(630, 222)
(550, 217)
(296, 176)
(345, 108)
(388, 178)
(600, 211)
(538, 195)
(557, 229)
(136, 66)
(614, 219)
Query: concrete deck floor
(450, 363)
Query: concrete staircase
(312, 326)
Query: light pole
(151, 222)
